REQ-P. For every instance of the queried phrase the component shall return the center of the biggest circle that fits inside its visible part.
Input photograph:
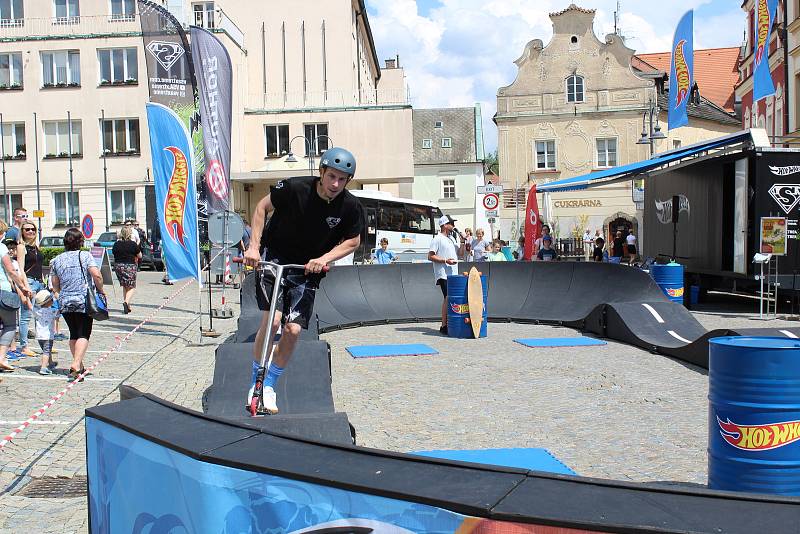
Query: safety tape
(112, 350)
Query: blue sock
(256, 365)
(273, 374)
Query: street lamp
(290, 156)
(654, 133)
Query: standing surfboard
(475, 301)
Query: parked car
(52, 241)
(151, 254)
(107, 240)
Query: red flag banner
(533, 223)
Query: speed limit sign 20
(491, 201)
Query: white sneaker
(270, 401)
(249, 396)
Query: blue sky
(459, 52)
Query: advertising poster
(773, 236)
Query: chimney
(391, 64)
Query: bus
(409, 225)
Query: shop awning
(755, 137)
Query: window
(56, 139)
(277, 136)
(16, 202)
(123, 10)
(118, 66)
(545, 154)
(123, 205)
(438, 124)
(67, 208)
(512, 200)
(427, 143)
(66, 11)
(575, 88)
(60, 69)
(391, 217)
(606, 153)
(204, 14)
(120, 136)
(317, 137)
(418, 219)
(10, 70)
(448, 188)
(14, 140)
(11, 13)
(447, 142)
(676, 143)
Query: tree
(491, 163)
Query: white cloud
(462, 51)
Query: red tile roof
(715, 72)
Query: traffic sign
(491, 201)
(38, 214)
(491, 213)
(87, 226)
(491, 220)
(490, 188)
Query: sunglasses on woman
(29, 229)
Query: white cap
(446, 219)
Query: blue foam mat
(560, 341)
(374, 351)
(533, 459)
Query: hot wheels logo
(175, 203)
(675, 293)
(460, 309)
(759, 437)
(763, 29)
(681, 74)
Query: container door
(740, 218)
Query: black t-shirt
(303, 225)
(33, 262)
(125, 251)
(597, 254)
(617, 250)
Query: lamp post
(651, 130)
(311, 145)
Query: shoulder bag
(9, 300)
(96, 304)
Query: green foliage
(51, 252)
(491, 163)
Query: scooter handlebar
(263, 264)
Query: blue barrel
(754, 414)
(694, 295)
(669, 278)
(458, 324)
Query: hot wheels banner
(175, 186)
(215, 80)
(765, 12)
(681, 72)
(533, 224)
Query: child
(383, 255)
(599, 253)
(45, 323)
(547, 253)
(497, 251)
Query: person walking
(46, 315)
(630, 241)
(617, 248)
(10, 284)
(127, 255)
(31, 263)
(70, 272)
(315, 221)
(442, 255)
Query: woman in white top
(8, 276)
(630, 241)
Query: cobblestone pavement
(157, 359)
(613, 411)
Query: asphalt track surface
(314, 442)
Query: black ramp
(304, 387)
(247, 295)
(508, 289)
(383, 289)
(548, 295)
(343, 287)
(423, 298)
(327, 314)
(663, 323)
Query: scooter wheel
(254, 406)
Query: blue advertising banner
(765, 12)
(172, 153)
(681, 72)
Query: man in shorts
(315, 221)
(442, 255)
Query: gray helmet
(339, 159)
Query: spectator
(442, 255)
(26, 305)
(46, 316)
(20, 215)
(630, 241)
(598, 233)
(32, 261)
(519, 254)
(143, 242)
(465, 251)
(134, 234)
(9, 278)
(69, 274)
(545, 233)
(588, 241)
(497, 251)
(617, 248)
(127, 254)
(383, 255)
(599, 253)
(547, 252)
(480, 247)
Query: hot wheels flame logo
(763, 29)
(681, 74)
(675, 292)
(759, 437)
(461, 309)
(175, 203)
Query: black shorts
(80, 325)
(631, 249)
(442, 283)
(295, 298)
